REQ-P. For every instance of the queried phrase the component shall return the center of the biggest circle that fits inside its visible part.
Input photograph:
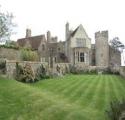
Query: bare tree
(117, 44)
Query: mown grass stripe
(66, 86)
(71, 88)
(79, 90)
(57, 84)
(85, 98)
(96, 94)
(113, 94)
(115, 90)
(107, 93)
(99, 97)
(62, 86)
(118, 88)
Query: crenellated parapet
(101, 34)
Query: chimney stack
(48, 36)
(28, 33)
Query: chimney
(28, 33)
(48, 36)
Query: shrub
(25, 74)
(79, 70)
(117, 110)
(41, 73)
(73, 70)
(29, 55)
(9, 47)
(93, 72)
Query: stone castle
(77, 48)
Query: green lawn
(72, 97)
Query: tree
(29, 55)
(117, 44)
(11, 43)
(6, 26)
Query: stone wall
(122, 71)
(9, 53)
(11, 66)
(67, 68)
(114, 57)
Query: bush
(29, 55)
(93, 72)
(80, 70)
(9, 47)
(41, 73)
(117, 110)
(25, 74)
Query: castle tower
(102, 48)
(48, 36)
(28, 33)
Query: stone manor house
(77, 48)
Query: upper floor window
(80, 42)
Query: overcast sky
(44, 15)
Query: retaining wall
(11, 66)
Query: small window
(43, 47)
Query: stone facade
(75, 50)
(114, 57)
(122, 71)
(78, 46)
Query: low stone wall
(11, 66)
(61, 68)
(67, 67)
(122, 71)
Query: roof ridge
(73, 33)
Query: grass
(72, 97)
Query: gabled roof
(34, 41)
(74, 32)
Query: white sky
(43, 15)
